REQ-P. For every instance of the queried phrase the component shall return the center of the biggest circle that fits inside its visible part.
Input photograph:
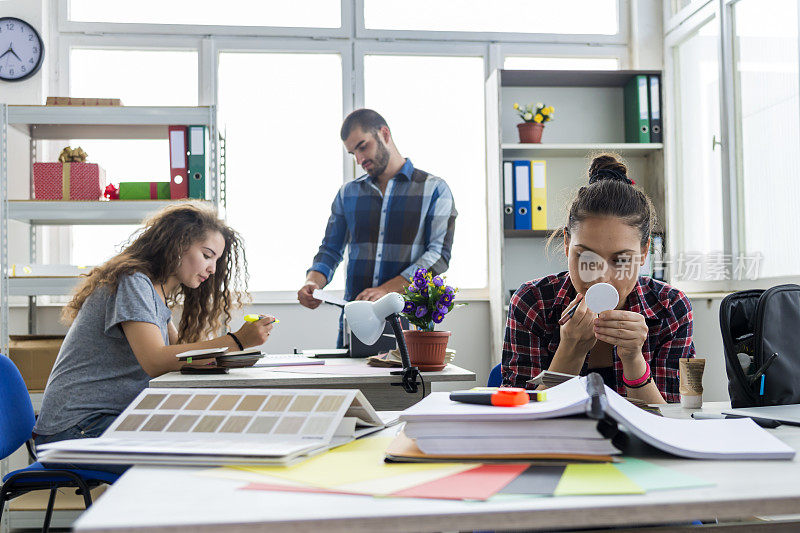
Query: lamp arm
(410, 373)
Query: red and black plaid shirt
(532, 331)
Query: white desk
(174, 499)
(377, 386)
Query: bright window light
(282, 114)
(767, 83)
(435, 109)
(699, 158)
(297, 13)
(137, 77)
(515, 16)
(560, 63)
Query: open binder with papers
(224, 426)
(563, 425)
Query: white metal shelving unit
(589, 118)
(62, 123)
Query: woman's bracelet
(238, 343)
(642, 381)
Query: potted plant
(428, 299)
(534, 117)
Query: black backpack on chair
(761, 338)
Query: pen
(501, 397)
(534, 395)
(256, 318)
(763, 422)
(563, 320)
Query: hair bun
(608, 167)
(609, 174)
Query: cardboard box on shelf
(34, 356)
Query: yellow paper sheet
(604, 478)
(356, 462)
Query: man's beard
(381, 160)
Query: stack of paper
(699, 439)
(442, 428)
(224, 426)
(576, 435)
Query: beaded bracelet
(642, 381)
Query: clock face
(21, 49)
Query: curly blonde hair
(156, 250)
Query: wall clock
(21, 49)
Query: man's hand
(314, 280)
(306, 295)
(372, 294)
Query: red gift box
(68, 181)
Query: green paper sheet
(650, 476)
(591, 479)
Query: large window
(281, 97)
(307, 13)
(282, 114)
(435, 109)
(514, 16)
(137, 77)
(766, 67)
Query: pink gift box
(68, 181)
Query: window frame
(676, 30)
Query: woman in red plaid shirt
(637, 345)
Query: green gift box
(144, 190)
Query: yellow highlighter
(256, 318)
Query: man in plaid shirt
(533, 332)
(394, 220)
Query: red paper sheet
(477, 484)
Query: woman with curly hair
(121, 333)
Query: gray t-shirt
(96, 371)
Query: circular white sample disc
(601, 297)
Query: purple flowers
(427, 300)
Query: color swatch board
(224, 426)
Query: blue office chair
(16, 424)
(495, 377)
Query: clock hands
(10, 51)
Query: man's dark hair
(367, 119)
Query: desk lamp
(366, 321)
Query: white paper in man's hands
(319, 294)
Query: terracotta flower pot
(530, 132)
(426, 349)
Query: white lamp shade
(367, 319)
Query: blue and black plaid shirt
(393, 234)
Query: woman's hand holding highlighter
(256, 329)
